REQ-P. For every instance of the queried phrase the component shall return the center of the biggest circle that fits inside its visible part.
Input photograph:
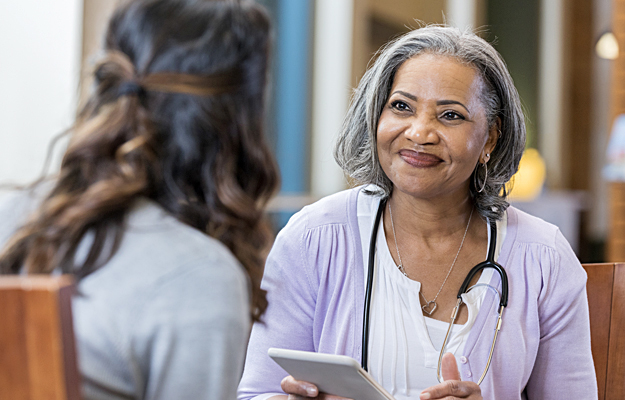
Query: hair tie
(130, 88)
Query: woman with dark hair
(434, 133)
(158, 206)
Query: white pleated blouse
(404, 344)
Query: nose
(422, 130)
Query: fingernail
(311, 391)
(425, 395)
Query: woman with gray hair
(434, 133)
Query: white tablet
(333, 374)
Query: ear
(494, 132)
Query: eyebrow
(448, 102)
(439, 103)
(406, 94)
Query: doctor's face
(433, 128)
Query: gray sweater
(166, 318)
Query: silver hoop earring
(485, 177)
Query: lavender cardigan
(314, 279)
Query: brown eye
(400, 105)
(452, 116)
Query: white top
(404, 345)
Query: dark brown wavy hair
(176, 116)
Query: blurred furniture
(616, 234)
(561, 208)
(37, 350)
(606, 300)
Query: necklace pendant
(429, 307)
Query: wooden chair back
(606, 300)
(37, 350)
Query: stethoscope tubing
(488, 263)
(364, 361)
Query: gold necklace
(431, 305)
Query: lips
(420, 160)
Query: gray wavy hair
(356, 148)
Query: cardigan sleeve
(564, 367)
(288, 320)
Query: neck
(430, 218)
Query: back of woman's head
(176, 116)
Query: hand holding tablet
(304, 390)
(332, 374)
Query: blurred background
(563, 55)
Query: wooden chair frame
(37, 349)
(606, 301)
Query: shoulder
(530, 229)
(333, 209)
(150, 226)
(336, 209)
(541, 251)
(329, 223)
(321, 241)
(158, 253)
(535, 233)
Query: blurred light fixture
(614, 169)
(529, 180)
(607, 46)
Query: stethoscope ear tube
(503, 301)
(489, 263)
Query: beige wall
(404, 12)
(377, 21)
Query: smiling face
(433, 128)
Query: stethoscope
(488, 263)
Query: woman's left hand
(452, 387)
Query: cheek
(475, 143)
(388, 130)
(383, 149)
(383, 132)
(384, 140)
